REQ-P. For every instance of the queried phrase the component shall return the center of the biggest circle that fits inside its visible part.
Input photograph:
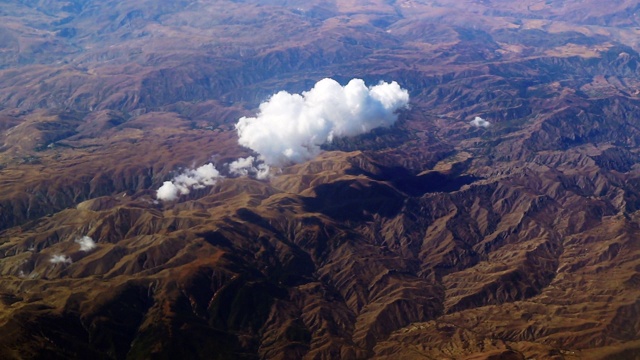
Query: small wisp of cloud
(86, 243)
(205, 175)
(249, 166)
(60, 259)
(480, 122)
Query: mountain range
(497, 218)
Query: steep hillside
(498, 218)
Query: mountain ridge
(435, 237)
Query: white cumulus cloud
(60, 259)
(249, 166)
(205, 175)
(86, 243)
(480, 122)
(291, 127)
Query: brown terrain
(431, 239)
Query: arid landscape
(497, 218)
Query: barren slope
(430, 239)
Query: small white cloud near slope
(480, 122)
(249, 166)
(86, 243)
(60, 259)
(182, 184)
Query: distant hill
(441, 237)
